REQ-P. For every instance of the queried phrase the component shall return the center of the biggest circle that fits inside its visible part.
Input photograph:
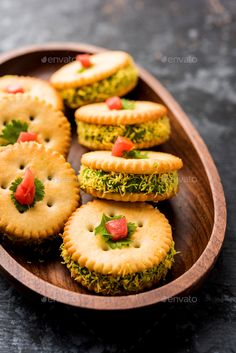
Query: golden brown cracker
(99, 113)
(150, 242)
(104, 65)
(157, 162)
(51, 126)
(34, 87)
(48, 216)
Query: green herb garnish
(82, 69)
(118, 244)
(12, 130)
(127, 104)
(135, 154)
(39, 194)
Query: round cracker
(103, 65)
(34, 87)
(48, 216)
(157, 162)
(51, 126)
(99, 113)
(150, 242)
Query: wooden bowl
(197, 214)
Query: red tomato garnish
(114, 103)
(25, 191)
(121, 145)
(15, 88)
(117, 228)
(84, 60)
(27, 136)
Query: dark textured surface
(189, 47)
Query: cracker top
(99, 113)
(157, 162)
(51, 126)
(103, 65)
(34, 87)
(150, 242)
(61, 188)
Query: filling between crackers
(101, 90)
(118, 284)
(156, 130)
(123, 183)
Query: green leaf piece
(11, 131)
(82, 69)
(39, 194)
(127, 104)
(135, 154)
(118, 244)
(39, 190)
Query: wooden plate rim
(178, 286)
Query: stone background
(189, 45)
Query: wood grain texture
(197, 214)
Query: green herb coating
(122, 183)
(104, 136)
(101, 90)
(114, 284)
